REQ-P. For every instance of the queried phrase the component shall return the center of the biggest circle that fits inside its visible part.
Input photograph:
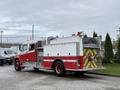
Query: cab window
(23, 47)
(31, 47)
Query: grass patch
(112, 69)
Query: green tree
(118, 49)
(108, 49)
(95, 34)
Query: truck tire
(1, 62)
(36, 69)
(59, 69)
(10, 63)
(17, 65)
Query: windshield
(23, 47)
(1, 51)
(9, 52)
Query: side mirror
(5, 53)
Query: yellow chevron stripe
(85, 50)
(94, 51)
(91, 52)
(88, 52)
(88, 65)
(86, 61)
(85, 57)
(94, 64)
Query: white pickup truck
(6, 56)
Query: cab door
(39, 57)
(31, 55)
(23, 49)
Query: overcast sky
(58, 17)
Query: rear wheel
(36, 69)
(17, 65)
(59, 68)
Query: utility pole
(118, 33)
(33, 32)
(7, 39)
(1, 36)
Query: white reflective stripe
(62, 60)
(48, 60)
(69, 60)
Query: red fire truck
(75, 53)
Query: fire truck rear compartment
(91, 51)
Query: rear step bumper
(86, 69)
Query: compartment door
(92, 58)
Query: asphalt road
(31, 80)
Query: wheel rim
(16, 64)
(58, 68)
